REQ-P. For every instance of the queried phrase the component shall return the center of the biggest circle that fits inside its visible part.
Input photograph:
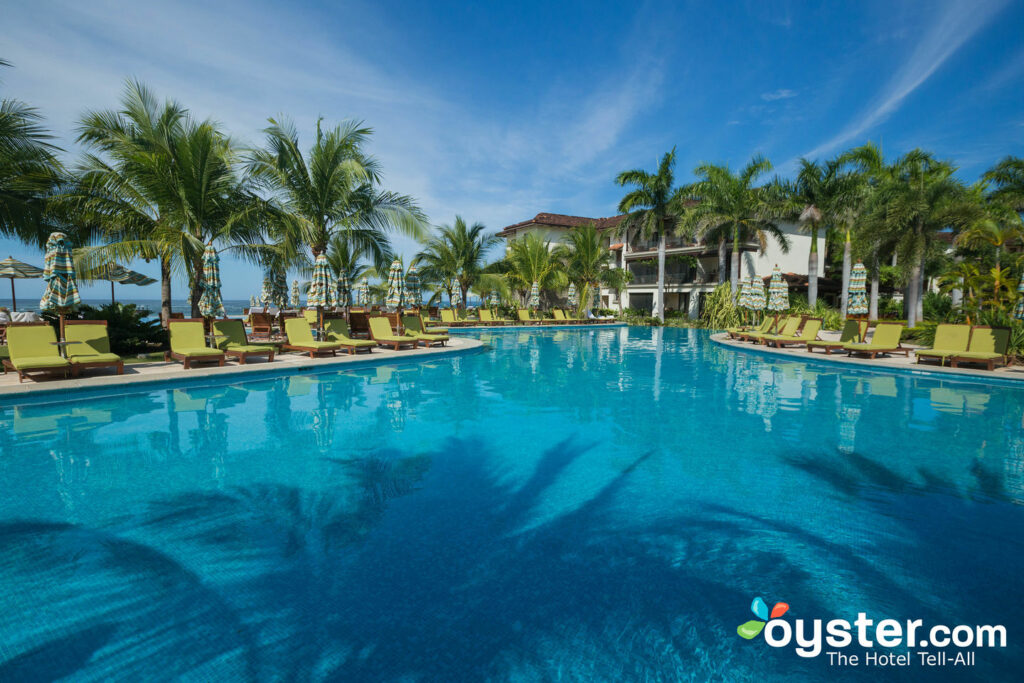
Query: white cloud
(780, 94)
(955, 24)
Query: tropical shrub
(719, 310)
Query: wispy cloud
(780, 94)
(955, 24)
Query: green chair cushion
(248, 348)
(199, 351)
(187, 336)
(826, 342)
(977, 355)
(93, 340)
(32, 341)
(38, 362)
(94, 358)
(319, 345)
(429, 337)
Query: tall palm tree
(154, 183)
(1008, 178)
(335, 188)
(916, 200)
(817, 195)
(730, 203)
(653, 207)
(454, 256)
(29, 171)
(355, 259)
(530, 259)
(585, 259)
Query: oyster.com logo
(752, 629)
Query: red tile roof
(558, 220)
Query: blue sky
(497, 111)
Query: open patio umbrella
(412, 288)
(534, 296)
(296, 301)
(16, 270)
(112, 272)
(857, 302)
(210, 303)
(1018, 312)
(572, 299)
(396, 286)
(61, 293)
(778, 292)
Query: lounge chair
(425, 324)
(487, 318)
(262, 324)
(987, 345)
(788, 328)
(449, 319)
(188, 343)
(524, 317)
(382, 333)
(231, 339)
(808, 333)
(774, 327)
(853, 332)
(414, 328)
(337, 331)
(886, 339)
(33, 348)
(92, 347)
(310, 315)
(560, 316)
(949, 341)
(743, 329)
(300, 338)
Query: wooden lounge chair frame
(899, 348)
(313, 351)
(243, 356)
(9, 364)
(187, 360)
(79, 365)
(954, 361)
(395, 344)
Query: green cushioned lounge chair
(90, 347)
(414, 328)
(524, 316)
(431, 329)
(33, 348)
(886, 339)
(448, 318)
(338, 332)
(987, 345)
(559, 316)
(774, 327)
(809, 332)
(786, 328)
(853, 333)
(188, 343)
(488, 318)
(231, 339)
(300, 338)
(383, 335)
(763, 328)
(949, 341)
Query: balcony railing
(684, 278)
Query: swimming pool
(574, 504)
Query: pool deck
(889, 362)
(142, 373)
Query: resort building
(691, 269)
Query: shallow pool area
(585, 504)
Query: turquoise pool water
(564, 505)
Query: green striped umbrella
(280, 280)
(743, 297)
(758, 298)
(778, 292)
(267, 291)
(412, 288)
(296, 301)
(112, 273)
(396, 286)
(344, 294)
(252, 302)
(59, 273)
(857, 301)
(210, 303)
(534, 296)
(456, 296)
(364, 292)
(12, 270)
(320, 286)
(494, 299)
(572, 299)
(1018, 312)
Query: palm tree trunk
(659, 304)
(812, 269)
(875, 284)
(913, 292)
(734, 275)
(920, 293)
(723, 261)
(165, 289)
(847, 266)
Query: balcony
(687, 277)
(641, 246)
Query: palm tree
(653, 207)
(585, 259)
(29, 171)
(355, 260)
(153, 183)
(1008, 178)
(816, 197)
(617, 279)
(333, 189)
(454, 256)
(916, 200)
(530, 259)
(729, 203)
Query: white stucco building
(691, 269)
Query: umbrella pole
(111, 292)
(14, 301)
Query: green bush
(719, 310)
(830, 317)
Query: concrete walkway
(890, 362)
(141, 373)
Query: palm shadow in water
(450, 577)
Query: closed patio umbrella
(210, 303)
(364, 292)
(494, 299)
(412, 288)
(1018, 312)
(456, 296)
(534, 296)
(778, 292)
(344, 294)
(61, 293)
(296, 301)
(396, 286)
(857, 302)
(16, 270)
(572, 299)
(757, 296)
(743, 298)
(252, 302)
